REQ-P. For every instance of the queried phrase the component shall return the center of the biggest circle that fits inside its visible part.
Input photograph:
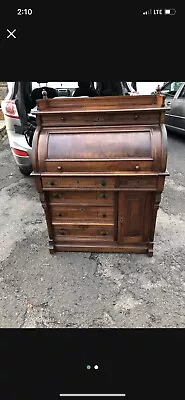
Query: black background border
(91, 43)
(42, 363)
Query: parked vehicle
(175, 99)
(174, 93)
(20, 123)
(170, 88)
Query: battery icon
(170, 11)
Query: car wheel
(26, 171)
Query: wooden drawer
(78, 182)
(94, 166)
(64, 231)
(133, 182)
(103, 118)
(69, 213)
(91, 197)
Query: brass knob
(59, 168)
(104, 214)
(103, 183)
(103, 233)
(137, 167)
(136, 116)
(99, 119)
(57, 195)
(52, 183)
(62, 118)
(103, 195)
(62, 232)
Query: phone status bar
(164, 11)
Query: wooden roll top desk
(100, 165)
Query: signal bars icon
(149, 12)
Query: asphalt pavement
(88, 290)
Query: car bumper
(19, 142)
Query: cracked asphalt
(85, 290)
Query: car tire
(26, 171)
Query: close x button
(11, 34)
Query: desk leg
(44, 202)
(157, 200)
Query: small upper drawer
(78, 182)
(103, 118)
(61, 167)
(133, 182)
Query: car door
(169, 90)
(175, 117)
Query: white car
(17, 108)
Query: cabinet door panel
(134, 217)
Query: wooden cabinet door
(134, 217)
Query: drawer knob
(136, 116)
(99, 119)
(59, 168)
(52, 183)
(137, 167)
(103, 195)
(57, 195)
(103, 183)
(104, 214)
(60, 214)
(62, 118)
(62, 232)
(103, 233)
